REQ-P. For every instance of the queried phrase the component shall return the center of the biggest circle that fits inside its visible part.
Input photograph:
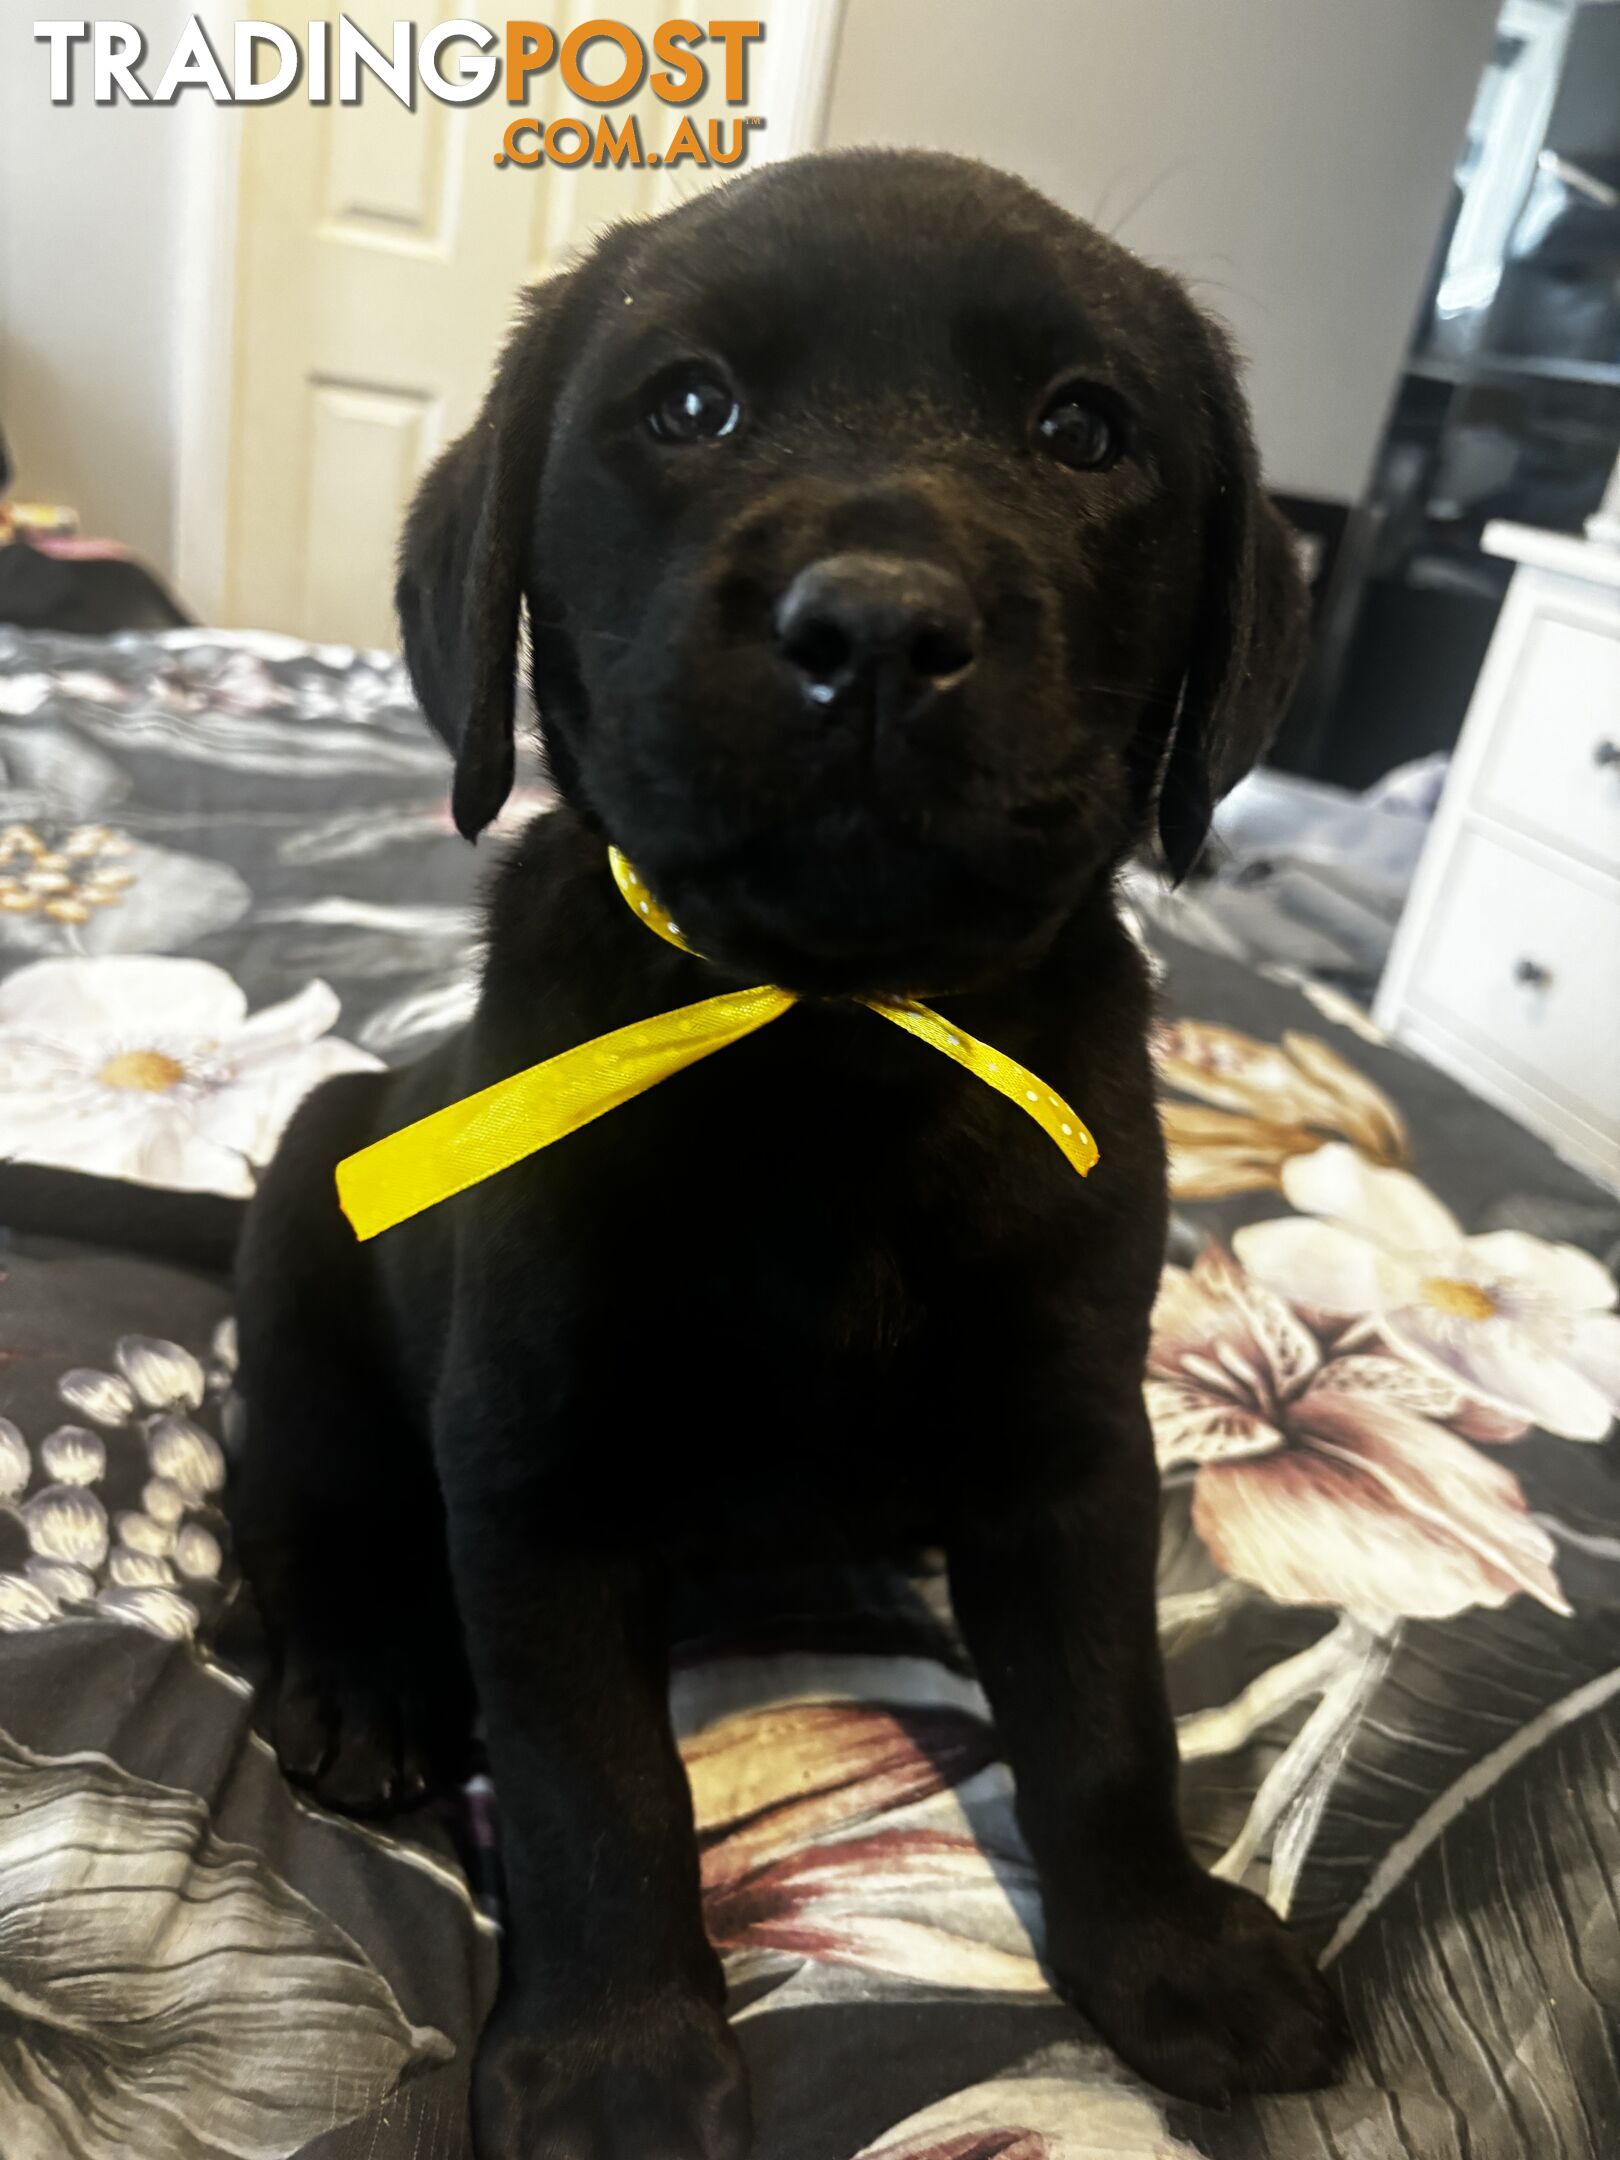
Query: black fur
(823, 1292)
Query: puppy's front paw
(368, 1742)
(660, 2081)
(1205, 1992)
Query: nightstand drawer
(1553, 763)
(1525, 961)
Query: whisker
(1138, 694)
(1146, 196)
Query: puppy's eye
(1081, 429)
(692, 406)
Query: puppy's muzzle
(891, 628)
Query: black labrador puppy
(893, 555)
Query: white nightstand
(1506, 967)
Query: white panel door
(379, 251)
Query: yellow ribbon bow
(471, 1140)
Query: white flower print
(153, 1376)
(135, 1568)
(152, 1069)
(64, 1522)
(163, 1500)
(163, 1374)
(1336, 1480)
(15, 1466)
(128, 1569)
(140, 1534)
(61, 1580)
(1258, 1105)
(104, 1398)
(222, 1366)
(73, 1456)
(24, 1603)
(185, 1456)
(834, 1841)
(197, 1553)
(71, 879)
(95, 889)
(1071, 2102)
(181, 1998)
(161, 1611)
(1523, 1325)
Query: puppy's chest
(811, 1250)
(838, 1232)
(874, 1305)
(826, 1226)
(816, 1303)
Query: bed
(1385, 1362)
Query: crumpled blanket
(1390, 1584)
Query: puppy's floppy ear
(464, 554)
(1248, 639)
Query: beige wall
(1290, 157)
(89, 268)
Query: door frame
(796, 80)
(205, 308)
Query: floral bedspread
(1384, 1369)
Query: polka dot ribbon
(473, 1139)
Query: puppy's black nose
(902, 625)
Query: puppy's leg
(1195, 1982)
(334, 1503)
(337, 1519)
(609, 2041)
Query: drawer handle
(1532, 973)
(1607, 753)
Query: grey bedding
(1384, 1368)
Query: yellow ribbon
(471, 1140)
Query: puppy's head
(893, 553)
